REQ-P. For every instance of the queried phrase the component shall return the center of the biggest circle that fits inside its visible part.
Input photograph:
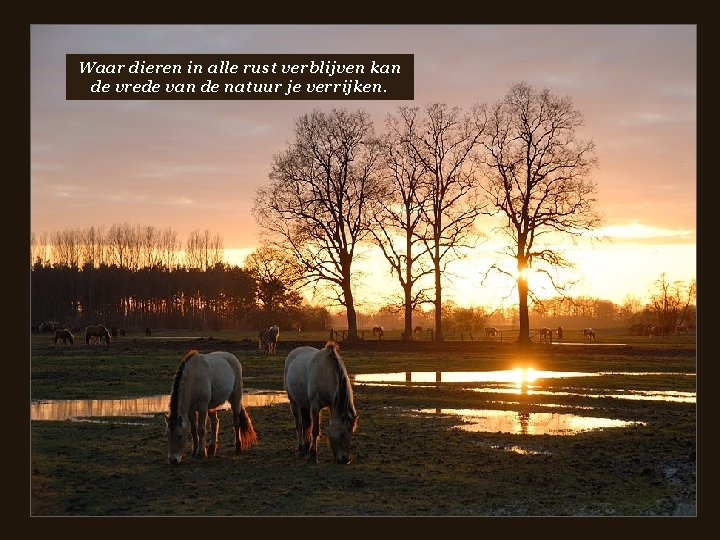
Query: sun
(524, 376)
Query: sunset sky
(192, 164)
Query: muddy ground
(403, 464)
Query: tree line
(189, 297)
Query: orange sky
(196, 164)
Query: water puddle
(521, 382)
(68, 409)
(527, 423)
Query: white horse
(315, 380)
(202, 383)
(491, 332)
(588, 334)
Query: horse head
(176, 430)
(339, 436)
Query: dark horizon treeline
(228, 297)
(221, 297)
(133, 277)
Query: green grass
(403, 464)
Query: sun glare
(523, 376)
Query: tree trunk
(524, 336)
(438, 303)
(408, 336)
(352, 334)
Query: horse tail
(248, 436)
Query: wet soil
(403, 464)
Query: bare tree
(39, 249)
(169, 248)
(93, 246)
(538, 181)
(120, 243)
(398, 217)
(669, 303)
(316, 206)
(66, 247)
(203, 250)
(443, 139)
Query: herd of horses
(315, 380)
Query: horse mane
(172, 421)
(344, 399)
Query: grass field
(403, 464)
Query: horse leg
(202, 431)
(214, 430)
(192, 418)
(236, 427)
(299, 428)
(315, 432)
(306, 427)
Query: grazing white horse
(202, 383)
(491, 332)
(316, 380)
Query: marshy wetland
(459, 428)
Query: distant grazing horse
(97, 333)
(65, 335)
(202, 383)
(267, 340)
(379, 331)
(588, 334)
(491, 332)
(315, 380)
(560, 333)
(546, 335)
(273, 335)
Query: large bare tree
(444, 139)
(318, 200)
(398, 218)
(538, 180)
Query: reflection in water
(66, 408)
(639, 395)
(527, 423)
(518, 381)
(508, 375)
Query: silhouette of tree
(317, 204)
(537, 178)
